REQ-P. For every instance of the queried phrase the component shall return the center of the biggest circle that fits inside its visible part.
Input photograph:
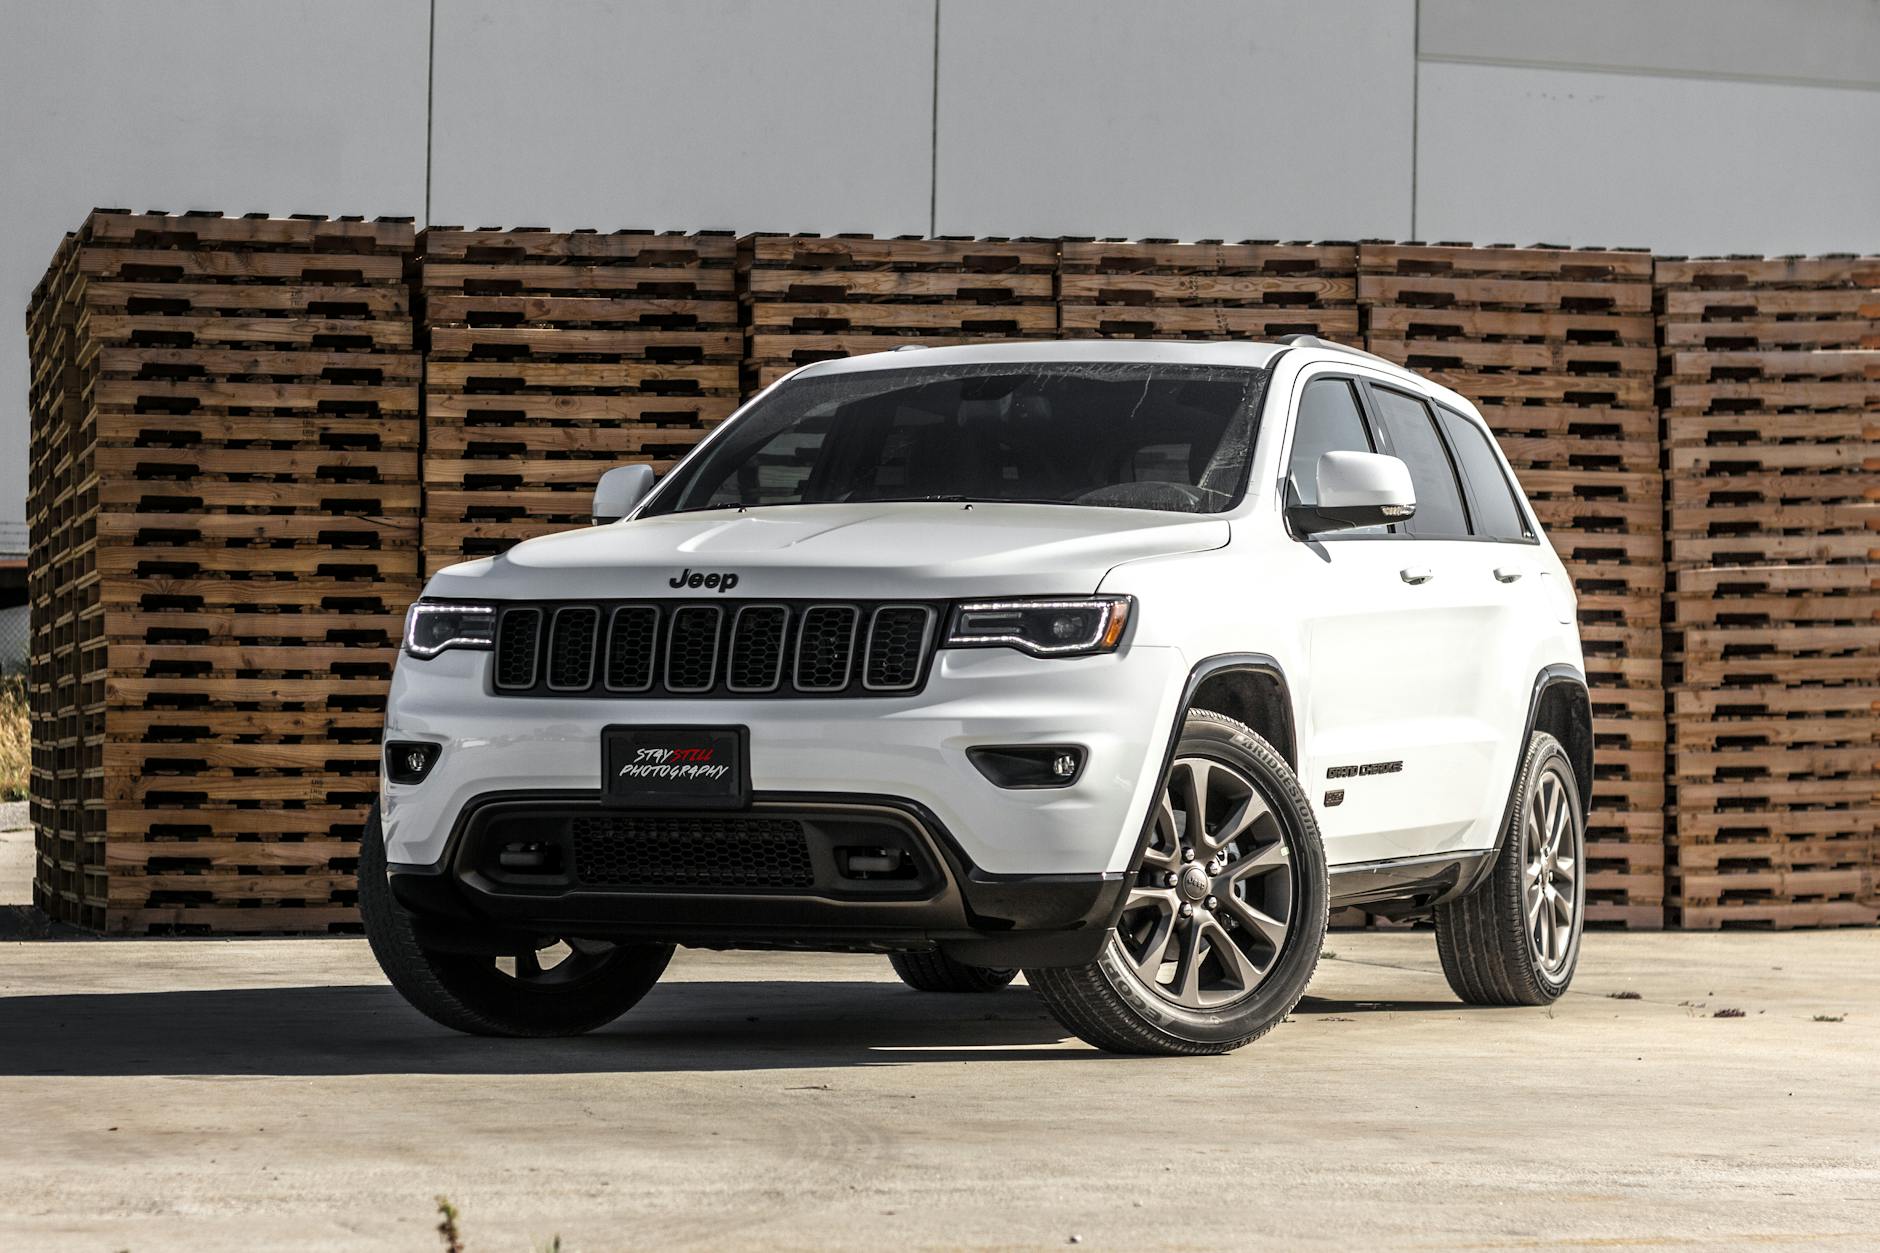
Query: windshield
(1122, 435)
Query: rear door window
(1410, 429)
(1493, 508)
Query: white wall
(1211, 119)
(795, 115)
(1688, 126)
(289, 106)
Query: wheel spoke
(1195, 798)
(1565, 870)
(1264, 858)
(1154, 950)
(1145, 897)
(1250, 915)
(1187, 984)
(1232, 958)
(1244, 818)
(1168, 855)
(528, 965)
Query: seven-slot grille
(714, 648)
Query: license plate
(677, 767)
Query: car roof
(995, 352)
(1247, 354)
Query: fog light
(1029, 766)
(409, 761)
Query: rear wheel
(551, 987)
(1515, 939)
(1225, 916)
(936, 972)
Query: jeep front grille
(714, 648)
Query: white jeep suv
(1121, 663)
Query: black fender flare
(1560, 674)
(1199, 673)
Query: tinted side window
(1412, 434)
(1329, 420)
(1491, 497)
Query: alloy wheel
(1552, 890)
(1213, 902)
(556, 963)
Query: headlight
(431, 626)
(1043, 628)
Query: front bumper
(1120, 707)
(1009, 876)
(722, 885)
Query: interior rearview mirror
(1355, 489)
(619, 490)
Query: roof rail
(1303, 340)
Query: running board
(1408, 885)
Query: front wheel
(1515, 938)
(552, 987)
(1225, 916)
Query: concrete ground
(233, 1095)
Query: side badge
(1335, 798)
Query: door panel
(1397, 745)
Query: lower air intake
(627, 851)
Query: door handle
(1507, 574)
(1415, 574)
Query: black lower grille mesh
(722, 852)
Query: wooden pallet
(808, 298)
(227, 471)
(552, 357)
(1161, 289)
(1556, 349)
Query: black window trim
(1371, 432)
(1530, 525)
(1380, 442)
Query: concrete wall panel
(1820, 41)
(294, 106)
(1680, 165)
(749, 114)
(1207, 118)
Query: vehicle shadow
(692, 1025)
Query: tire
(1267, 900)
(1491, 954)
(936, 972)
(593, 985)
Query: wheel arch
(1250, 688)
(1240, 677)
(1562, 707)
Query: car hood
(926, 551)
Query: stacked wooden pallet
(1159, 289)
(810, 298)
(55, 517)
(551, 357)
(1772, 431)
(1555, 346)
(225, 438)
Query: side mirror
(1356, 489)
(619, 490)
